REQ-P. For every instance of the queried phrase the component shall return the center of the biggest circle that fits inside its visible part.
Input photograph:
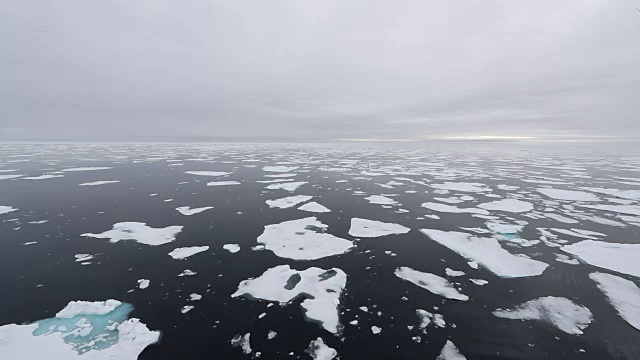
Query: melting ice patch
(288, 202)
(488, 253)
(301, 240)
(372, 228)
(185, 210)
(557, 311)
(507, 205)
(433, 283)
(6, 209)
(82, 330)
(568, 195)
(622, 258)
(139, 232)
(102, 182)
(622, 294)
(450, 352)
(314, 207)
(320, 288)
(184, 252)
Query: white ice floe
(185, 252)
(453, 273)
(42, 177)
(503, 229)
(427, 318)
(567, 260)
(83, 257)
(8, 177)
(242, 341)
(85, 169)
(479, 281)
(622, 258)
(288, 202)
(371, 228)
(195, 297)
(222, 183)
(187, 272)
(622, 294)
(232, 248)
(271, 335)
(488, 253)
(557, 311)
(314, 207)
(376, 330)
(81, 331)
(144, 283)
(461, 186)
(288, 186)
(624, 194)
(207, 173)
(321, 351)
(185, 309)
(139, 232)
(507, 205)
(281, 169)
(320, 288)
(186, 210)
(622, 209)
(433, 283)
(568, 195)
(301, 240)
(453, 209)
(6, 209)
(380, 200)
(102, 182)
(450, 352)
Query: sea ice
(102, 182)
(186, 210)
(320, 288)
(371, 228)
(143, 283)
(622, 294)
(461, 186)
(624, 194)
(288, 202)
(6, 209)
(232, 248)
(453, 209)
(488, 253)
(81, 331)
(453, 273)
(433, 283)
(207, 173)
(281, 169)
(557, 311)
(288, 186)
(568, 195)
(380, 200)
(85, 169)
(622, 258)
(139, 232)
(42, 177)
(450, 352)
(7, 177)
(242, 341)
(301, 240)
(184, 252)
(508, 205)
(320, 351)
(314, 207)
(222, 183)
(187, 272)
(376, 330)
(622, 209)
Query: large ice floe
(568, 195)
(488, 253)
(83, 331)
(622, 294)
(301, 239)
(139, 232)
(320, 288)
(623, 258)
(434, 283)
(450, 352)
(557, 311)
(371, 228)
(186, 210)
(508, 205)
(288, 202)
(184, 252)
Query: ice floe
(376, 330)
(301, 240)
(288, 202)
(488, 253)
(507, 205)
(288, 186)
(450, 352)
(320, 288)
(281, 169)
(453, 273)
(232, 248)
(207, 173)
(624, 194)
(82, 330)
(144, 283)
(622, 294)
(184, 252)
(371, 228)
(42, 177)
(77, 169)
(243, 342)
(6, 209)
(222, 183)
(461, 186)
(187, 272)
(453, 209)
(314, 207)
(622, 209)
(380, 200)
(102, 182)
(321, 351)
(185, 210)
(427, 318)
(568, 195)
(8, 177)
(557, 311)
(139, 232)
(433, 283)
(622, 258)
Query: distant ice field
(318, 251)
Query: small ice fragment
(232, 248)
(222, 183)
(450, 352)
(102, 182)
(185, 309)
(376, 330)
(272, 334)
(185, 210)
(143, 283)
(320, 351)
(453, 273)
(184, 252)
(195, 297)
(479, 281)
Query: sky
(320, 70)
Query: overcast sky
(323, 69)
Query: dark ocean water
(239, 216)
